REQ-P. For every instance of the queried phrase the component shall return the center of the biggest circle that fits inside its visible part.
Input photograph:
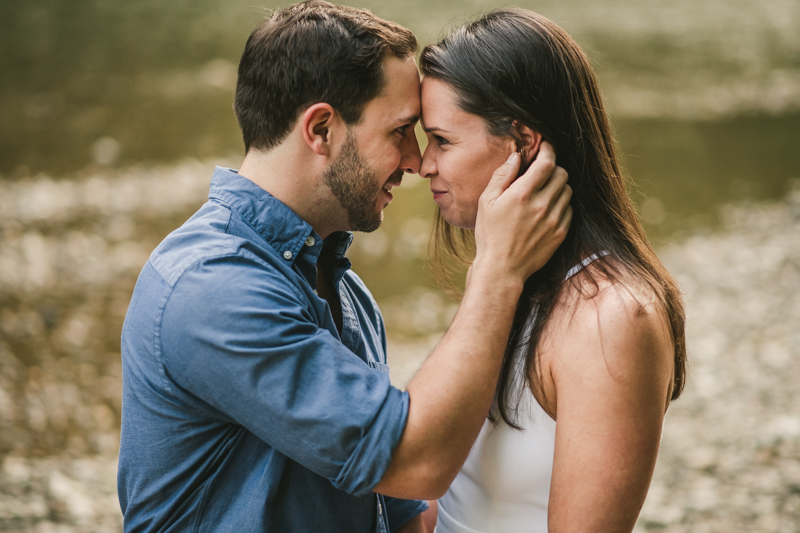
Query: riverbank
(730, 455)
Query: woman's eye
(440, 140)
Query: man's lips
(394, 181)
(388, 188)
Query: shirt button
(287, 254)
(311, 241)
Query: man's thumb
(503, 177)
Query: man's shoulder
(204, 239)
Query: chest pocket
(379, 366)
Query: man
(255, 386)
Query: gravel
(730, 455)
(70, 252)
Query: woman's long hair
(515, 65)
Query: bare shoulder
(625, 305)
(607, 334)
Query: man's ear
(319, 124)
(528, 142)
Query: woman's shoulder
(607, 327)
(605, 295)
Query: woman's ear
(319, 124)
(528, 142)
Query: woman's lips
(437, 194)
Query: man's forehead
(403, 115)
(396, 107)
(398, 103)
(401, 78)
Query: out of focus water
(107, 107)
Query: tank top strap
(586, 262)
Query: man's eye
(403, 129)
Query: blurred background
(114, 113)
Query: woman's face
(461, 155)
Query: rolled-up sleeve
(401, 511)
(239, 337)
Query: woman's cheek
(483, 181)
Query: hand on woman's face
(461, 155)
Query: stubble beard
(354, 184)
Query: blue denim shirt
(243, 408)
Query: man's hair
(312, 52)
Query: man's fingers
(546, 151)
(564, 223)
(540, 170)
(503, 177)
(562, 201)
(556, 184)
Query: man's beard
(356, 187)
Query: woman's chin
(459, 220)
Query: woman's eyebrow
(428, 129)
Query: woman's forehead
(440, 109)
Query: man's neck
(285, 173)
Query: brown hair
(515, 65)
(312, 52)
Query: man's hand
(522, 222)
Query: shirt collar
(282, 228)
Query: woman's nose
(428, 167)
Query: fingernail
(512, 158)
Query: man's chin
(367, 225)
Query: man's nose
(410, 158)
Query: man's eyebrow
(411, 119)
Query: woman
(597, 349)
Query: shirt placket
(383, 521)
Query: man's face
(379, 149)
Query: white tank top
(504, 485)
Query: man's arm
(240, 346)
(520, 224)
